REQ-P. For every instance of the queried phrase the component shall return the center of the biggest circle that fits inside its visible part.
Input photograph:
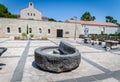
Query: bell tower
(31, 4)
(30, 12)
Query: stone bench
(58, 59)
(2, 50)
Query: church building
(30, 13)
(31, 19)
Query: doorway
(59, 33)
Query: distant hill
(5, 13)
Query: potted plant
(31, 36)
(24, 36)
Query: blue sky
(65, 9)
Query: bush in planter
(24, 35)
(31, 35)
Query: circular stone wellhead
(54, 60)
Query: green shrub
(24, 35)
(104, 34)
(31, 35)
(112, 34)
(118, 34)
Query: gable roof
(93, 23)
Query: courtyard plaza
(97, 65)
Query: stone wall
(14, 24)
(35, 25)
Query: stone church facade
(32, 18)
(30, 13)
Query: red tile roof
(93, 23)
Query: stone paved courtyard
(97, 65)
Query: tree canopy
(5, 13)
(51, 19)
(87, 17)
(112, 20)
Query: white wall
(119, 29)
(98, 29)
(111, 30)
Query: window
(31, 14)
(28, 14)
(40, 30)
(30, 30)
(30, 4)
(8, 29)
(48, 31)
(19, 30)
(34, 14)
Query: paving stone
(108, 80)
(27, 79)
(86, 79)
(70, 80)
(86, 71)
(102, 76)
(116, 75)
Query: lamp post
(75, 17)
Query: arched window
(30, 4)
(40, 30)
(19, 30)
(34, 14)
(8, 29)
(31, 14)
(48, 31)
(30, 30)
